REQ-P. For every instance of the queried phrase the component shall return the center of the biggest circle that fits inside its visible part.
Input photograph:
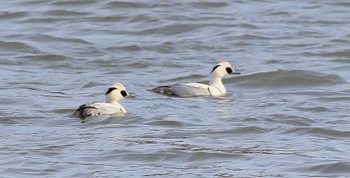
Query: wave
(287, 79)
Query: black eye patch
(123, 93)
(110, 90)
(228, 70)
(214, 68)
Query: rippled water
(286, 115)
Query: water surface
(286, 115)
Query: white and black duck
(215, 87)
(114, 93)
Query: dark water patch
(30, 172)
(91, 84)
(66, 13)
(198, 46)
(341, 4)
(340, 121)
(55, 39)
(154, 157)
(313, 108)
(169, 29)
(47, 93)
(44, 20)
(46, 57)
(10, 62)
(339, 98)
(328, 133)
(208, 4)
(164, 47)
(137, 5)
(48, 62)
(17, 47)
(138, 65)
(319, 132)
(230, 150)
(165, 123)
(47, 150)
(242, 130)
(142, 18)
(241, 40)
(111, 66)
(287, 79)
(280, 13)
(290, 120)
(184, 153)
(342, 61)
(311, 34)
(110, 18)
(326, 23)
(345, 40)
(252, 37)
(279, 61)
(319, 93)
(5, 120)
(302, 46)
(19, 117)
(126, 48)
(32, 3)
(246, 25)
(74, 2)
(332, 169)
(293, 130)
(5, 15)
(342, 53)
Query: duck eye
(228, 70)
(123, 93)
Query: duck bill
(235, 73)
(130, 95)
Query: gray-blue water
(286, 115)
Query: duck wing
(184, 89)
(95, 109)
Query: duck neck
(111, 100)
(216, 81)
(114, 102)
